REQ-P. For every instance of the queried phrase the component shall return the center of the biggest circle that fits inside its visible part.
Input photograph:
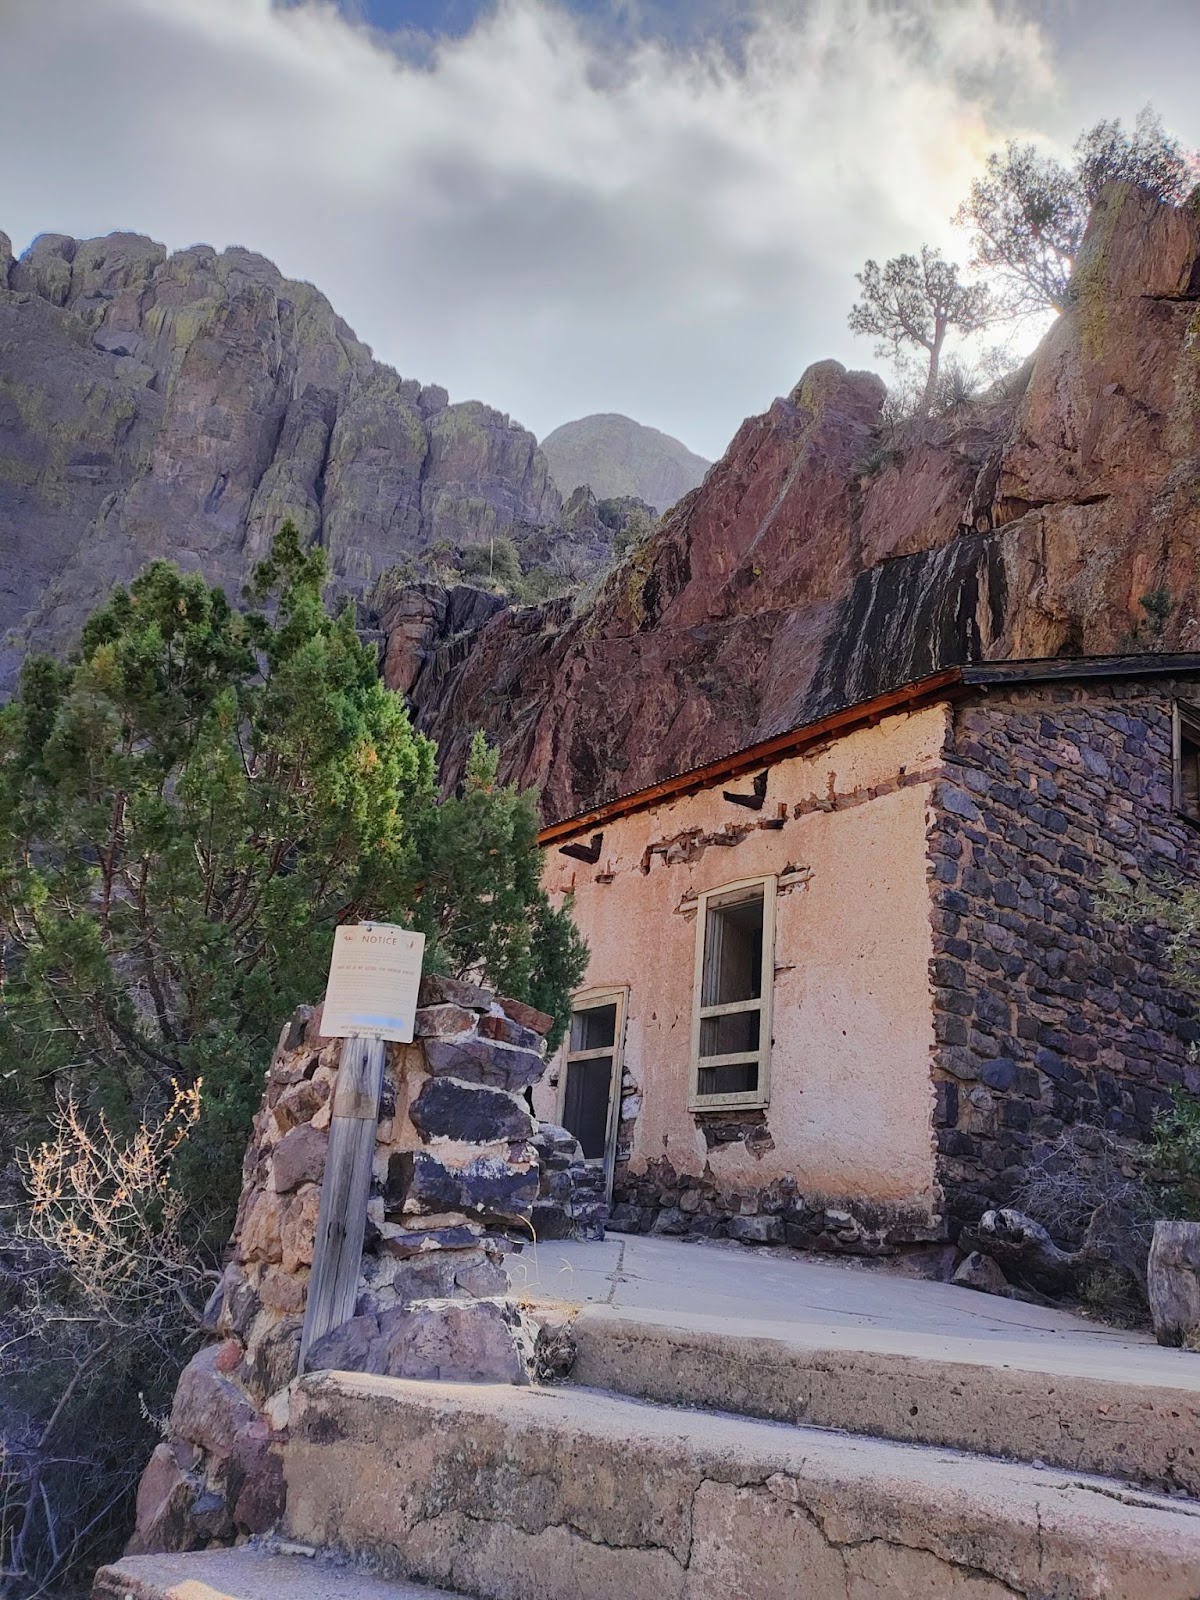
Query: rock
(1173, 1283)
(260, 1501)
(298, 1231)
(439, 990)
(615, 456)
(300, 1102)
(755, 1230)
(282, 1291)
(166, 1493)
(812, 566)
(275, 1359)
(444, 1020)
(298, 1158)
(485, 1061)
(346, 1348)
(261, 1238)
(495, 1025)
(457, 1341)
(977, 1271)
(405, 1242)
(446, 1108)
(625, 1218)
(209, 1409)
(490, 1186)
(671, 1220)
(539, 1022)
(555, 1146)
(161, 405)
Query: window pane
(733, 951)
(742, 1078)
(585, 1113)
(729, 1036)
(595, 1028)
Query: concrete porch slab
(872, 1352)
(248, 1573)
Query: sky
(655, 207)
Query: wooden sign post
(374, 977)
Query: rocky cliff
(182, 405)
(614, 456)
(826, 557)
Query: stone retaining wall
(1048, 1011)
(462, 1175)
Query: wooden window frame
(1185, 723)
(591, 1000)
(760, 1096)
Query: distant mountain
(615, 456)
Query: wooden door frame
(588, 1000)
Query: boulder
(448, 1108)
(490, 1186)
(977, 1271)
(485, 1061)
(1173, 1283)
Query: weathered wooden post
(374, 977)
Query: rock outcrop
(613, 456)
(827, 558)
(183, 405)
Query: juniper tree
(186, 813)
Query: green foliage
(1176, 1157)
(1158, 606)
(480, 901)
(914, 304)
(188, 811)
(496, 562)
(1028, 213)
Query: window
(731, 1008)
(591, 1086)
(1186, 776)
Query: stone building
(842, 983)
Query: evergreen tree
(188, 811)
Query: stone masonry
(1048, 1011)
(461, 1176)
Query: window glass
(594, 1029)
(735, 1034)
(585, 1109)
(741, 1078)
(733, 941)
(1189, 775)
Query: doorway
(590, 1089)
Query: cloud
(548, 216)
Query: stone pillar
(457, 1183)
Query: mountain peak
(616, 456)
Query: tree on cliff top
(909, 303)
(185, 815)
(1028, 213)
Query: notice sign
(373, 981)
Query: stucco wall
(850, 1114)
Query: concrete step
(536, 1494)
(247, 1574)
(1130, 1414)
